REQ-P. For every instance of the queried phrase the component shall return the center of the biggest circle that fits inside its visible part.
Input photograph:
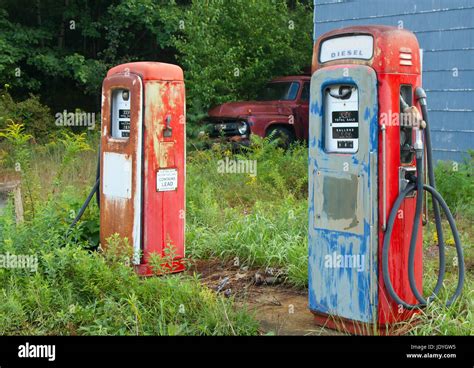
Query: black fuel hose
(97, 177)
(437, 200)
(95, 191)
(421, 97)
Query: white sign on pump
(347, 47)
(166, 180)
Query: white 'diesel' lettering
(347, 47)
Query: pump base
(146, 270)
(352, 327)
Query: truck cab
(280, 111)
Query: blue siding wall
(445, 31)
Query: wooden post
(15, 187)
(18, 204)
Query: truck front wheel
(283, 135)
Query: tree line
(60, 50)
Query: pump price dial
(345, 116)
(124, 114)
(341, 118)
(120, 108)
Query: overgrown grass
(263, 222)
(260, 219)
(436, 318)
(75, 291)
(455, 181)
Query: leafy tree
(230, 48)
(61, 49)
(66, 47)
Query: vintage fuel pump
(367, 143)
(140, 183)
(142, 163)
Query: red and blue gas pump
(367, 144)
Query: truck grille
(224, 127)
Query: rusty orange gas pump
(367, 141)
(142, 161)
(140, 181)
(140, 184)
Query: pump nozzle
(418, 146)
(420, 95)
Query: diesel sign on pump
(343, 48)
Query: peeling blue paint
(315, 108)
(342, 291)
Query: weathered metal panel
(448, 59)
(122, 215)
(117, 165)
(164, 210)
(445, 29)
(443, 37)
(351, 10)
(349, 292)
(450, 120)
(450, 100)
(448, 20)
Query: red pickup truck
(281, 111)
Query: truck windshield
(279, 91)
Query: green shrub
(31, 113)
(222, 64)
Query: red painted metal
(388, 310)
(389, 43)
(162, 213)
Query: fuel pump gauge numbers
(120, 113)
(341, 120)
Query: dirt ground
(280, 309)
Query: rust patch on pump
(118, 214)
